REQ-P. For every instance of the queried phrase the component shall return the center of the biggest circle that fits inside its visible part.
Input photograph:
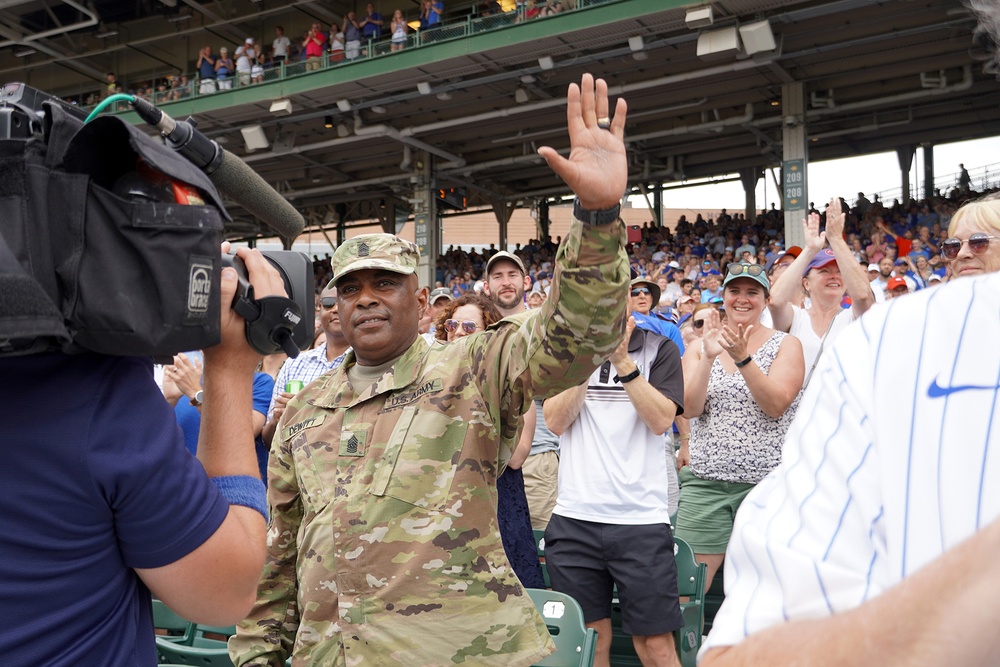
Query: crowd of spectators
(689, 257)
(357, 35)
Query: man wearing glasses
(308, 366)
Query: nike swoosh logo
(937, 391)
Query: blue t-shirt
(371, 30)
(95, 481)
(207, 68)
(434, 18)
(189, 418)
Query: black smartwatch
(605, 217)
(628, 378)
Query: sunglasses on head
(468, 326)
(328, 302)
(978, 243)
(737, 269)
(636, 291)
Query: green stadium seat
(203, 652)
(575, 642)
(540, 544)
(691, 584)
(169, 625)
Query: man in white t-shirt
(280, 45)
(611, 523)
(246, 55)
(875, 540)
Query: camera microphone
(232, 176)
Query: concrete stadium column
(795, 160)
(543, 220)
(905, 156)
(658, 203)
(749, 178)
(928, 170)
(426, 219)
(502, 210)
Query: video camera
(109, 239)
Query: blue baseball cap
(822, 258)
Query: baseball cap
(873, 267)
(673, 265)
(745, 272)
(896, 283)
(822, 258)
(934, 277)
(375, 251)
(654, 289)
(503, 254)
(772, 258)
(684, 298)
(249, 40)
(440, 292)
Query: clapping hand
(815, 240)
(835, 218)
(620, 355)
(736, 341)
(712, 344)
(597, 170)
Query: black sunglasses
(468, 326)
(737, 269)
(640, 290)
(328, 302)
(697, 324)
(978, 243)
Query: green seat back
(575, 642)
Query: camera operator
(101, 504)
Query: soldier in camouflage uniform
(383, 546)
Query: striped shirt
(887, 465)
(306, 367)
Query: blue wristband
(243, 490)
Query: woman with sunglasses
(973, 246)
(825, 275)
(742, 384)
(470, 314)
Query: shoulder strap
(822, 344)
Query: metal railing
(448, 31)
(982, 178)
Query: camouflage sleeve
(266, 636)
(578, 327)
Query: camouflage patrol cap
(375, 251)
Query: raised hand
(597, 170)
(620, 355)
(835, 219)
(711, 338)
(736, 341)
(815, 240)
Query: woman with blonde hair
(973, 244)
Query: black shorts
(586, 560)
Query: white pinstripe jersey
(888, 463)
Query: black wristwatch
(628, 378)
(607, 216)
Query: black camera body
(87, 264)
